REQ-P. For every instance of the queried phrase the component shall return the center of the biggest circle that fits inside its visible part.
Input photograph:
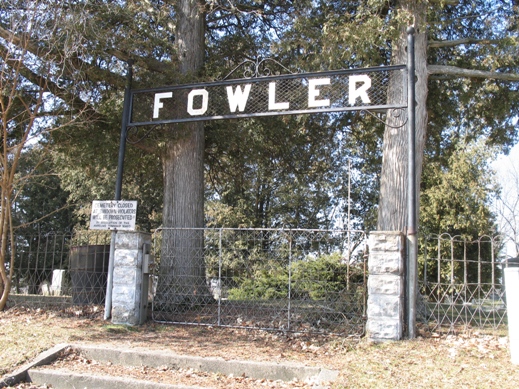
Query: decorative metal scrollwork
(133, 132)
(258, 68)
(395, 113)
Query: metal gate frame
(412, 225)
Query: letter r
(362, 92)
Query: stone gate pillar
(129, 285)
(386, 286)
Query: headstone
(58, 279)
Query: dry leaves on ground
(465, 360)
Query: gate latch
(148, 259)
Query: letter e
(313, 93)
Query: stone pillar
(128, 277)
(386, 286)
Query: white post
(512, 307)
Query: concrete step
(60, 378)
(252, 369)
(64, 379)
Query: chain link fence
(292, 280)
(461, 282)
(60, 270)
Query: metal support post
(119, 185)
(412, 237)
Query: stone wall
(386, 286)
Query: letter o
(205, 100)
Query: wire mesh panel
(60, 269)
(461, 282)
(295, 280)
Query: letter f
(158, 104)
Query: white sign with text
(113, 215)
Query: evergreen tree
(466, 87)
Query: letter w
(238, 98)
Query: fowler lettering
(238, 96)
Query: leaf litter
(434, 360)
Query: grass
(26, 333)
(470, 359)
(431, 363)
(119, 328)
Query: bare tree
(507, 204)
(35, 99)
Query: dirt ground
(470, 359)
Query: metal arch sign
(292, 94)
(321, 92)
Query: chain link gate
(290, 280)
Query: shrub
(313, 278)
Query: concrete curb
(65, 379)
(44, 358)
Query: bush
(313, 278)
(266, 284)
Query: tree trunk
(392, 211)
(5, 289)
(182, 274)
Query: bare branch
(43, 217)
(93, 73)
(458, 42)
(42, 82)
(455, 71)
